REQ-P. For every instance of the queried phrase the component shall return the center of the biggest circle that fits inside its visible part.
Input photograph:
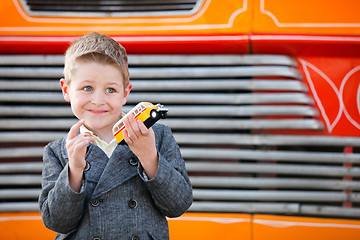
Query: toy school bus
(264, 100)
(144, 111)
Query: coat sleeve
(61, 208)
(171, 188)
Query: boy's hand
(76, 149)
(141, 141)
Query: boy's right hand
(76, 146)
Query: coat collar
(118, 169)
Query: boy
(94, 188)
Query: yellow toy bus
(146, 112)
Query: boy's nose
(98, 98)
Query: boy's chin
(95, 127)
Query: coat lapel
(117, 171)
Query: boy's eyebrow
(115, 83)
(87, 81)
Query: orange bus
(264, 100)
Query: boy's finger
(128, 125)
(133, 123)
(74, 129)
(77, 141)
(81, 142)
(127, 137)
(143, 129)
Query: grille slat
(193, 111)
(284, 169)
(169, 85)
(208, 139)
(173, 98)
(213, 154)
(165, 60)
(164, 73)
(282, 183)
(223, 124)
(290, 196)
(265, 140)
(274, 208)
(20, 179)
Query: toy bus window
(143, 107)
(139, 110)
(119, 127)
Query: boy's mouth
(98, 111)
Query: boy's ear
(126, 93)
(65, 89)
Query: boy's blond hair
(99, 48)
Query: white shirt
(108, 148)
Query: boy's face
(96, 94)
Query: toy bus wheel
(154, 114)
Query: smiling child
(92, 187)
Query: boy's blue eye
(110, 90)
(87, 89)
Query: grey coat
(116, 201)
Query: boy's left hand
(141, 141)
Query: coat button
(135, 238)
(133, 161)
(87, 167)
(95, 203)
(132, 204)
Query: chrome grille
(246, 124)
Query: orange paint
(220, 17)
(210, 226)
(24, 225)
(213, 17)
(194, 226)
(267, 227)
(306, 17)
